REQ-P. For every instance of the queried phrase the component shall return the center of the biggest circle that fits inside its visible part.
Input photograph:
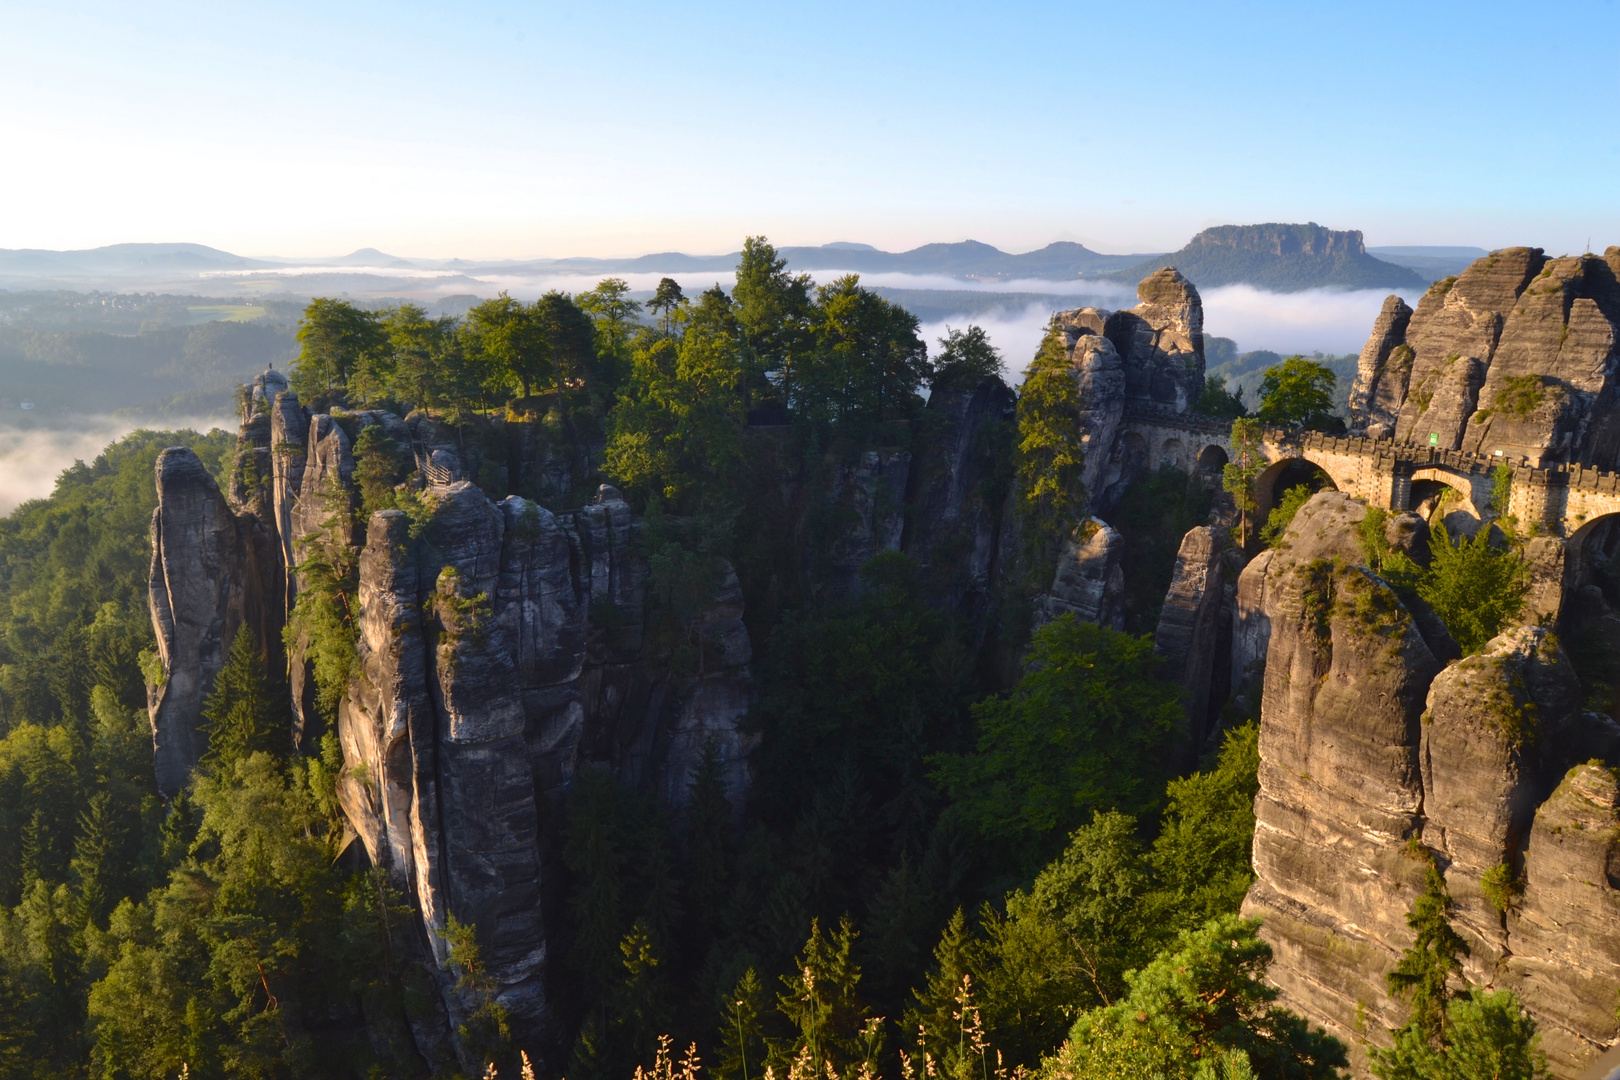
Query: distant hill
(1279, 257)
(968, 260)
(1433, 263)
(121, 259)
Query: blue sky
(546, 130)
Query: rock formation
(1090, 581)
(200, 594)
(1518, 354)
(500, 648)
(1189, 630)
(1148, 358)
(1375, 760)
(1280, 257)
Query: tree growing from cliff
(773, 312)
(334, 337)
(1476, 588)
(1422, 974)
(1489, 1037)
(677, 431)
(1247, 462)
(1050, 453)
(1297, 393)
(965, 357)
(868, 363)
(1199, 1009)
(613, 313)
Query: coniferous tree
(242, 714)
(1050, 454)
(1421, 975)
(742, 1036)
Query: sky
(488, 130)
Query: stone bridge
(1562, 501)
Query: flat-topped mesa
(1518, 357)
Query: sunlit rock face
(1519, 354)
(1378, 756)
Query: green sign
(1434, 438)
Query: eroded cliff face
(1148, 358)
(500, 648)
(1519, 354)
(1376, 757)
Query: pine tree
(742, 1039)
(819, 1000)
(241, 713)
(1421, 975)
(939, 1017)
(100, 856)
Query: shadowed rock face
(1157, 359)
(500, 648)
(199, 596)
(1187, 633)
(1565, 933)
(1383, 370)
(1090, 579)
(1340, 786)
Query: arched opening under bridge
(1280, 476)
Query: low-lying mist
(31, 459)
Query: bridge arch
(1431, 480)
(1211, 464)
(1173, 453)
(1284, 473)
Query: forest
(963, 856)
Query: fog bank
(31, 460)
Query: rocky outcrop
(1189, 630)
(499, 648)
(1565, 930)
(1090, 579)
(1383, 370)
(1495, 726)
(1375, 760)
(1518, 354)
(868, 496)
(200, 592)
(1340, 784)
(1149, 358)
(955, 516)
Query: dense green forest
(948, 866)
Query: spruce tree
(241, 713)
(1421, 975)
